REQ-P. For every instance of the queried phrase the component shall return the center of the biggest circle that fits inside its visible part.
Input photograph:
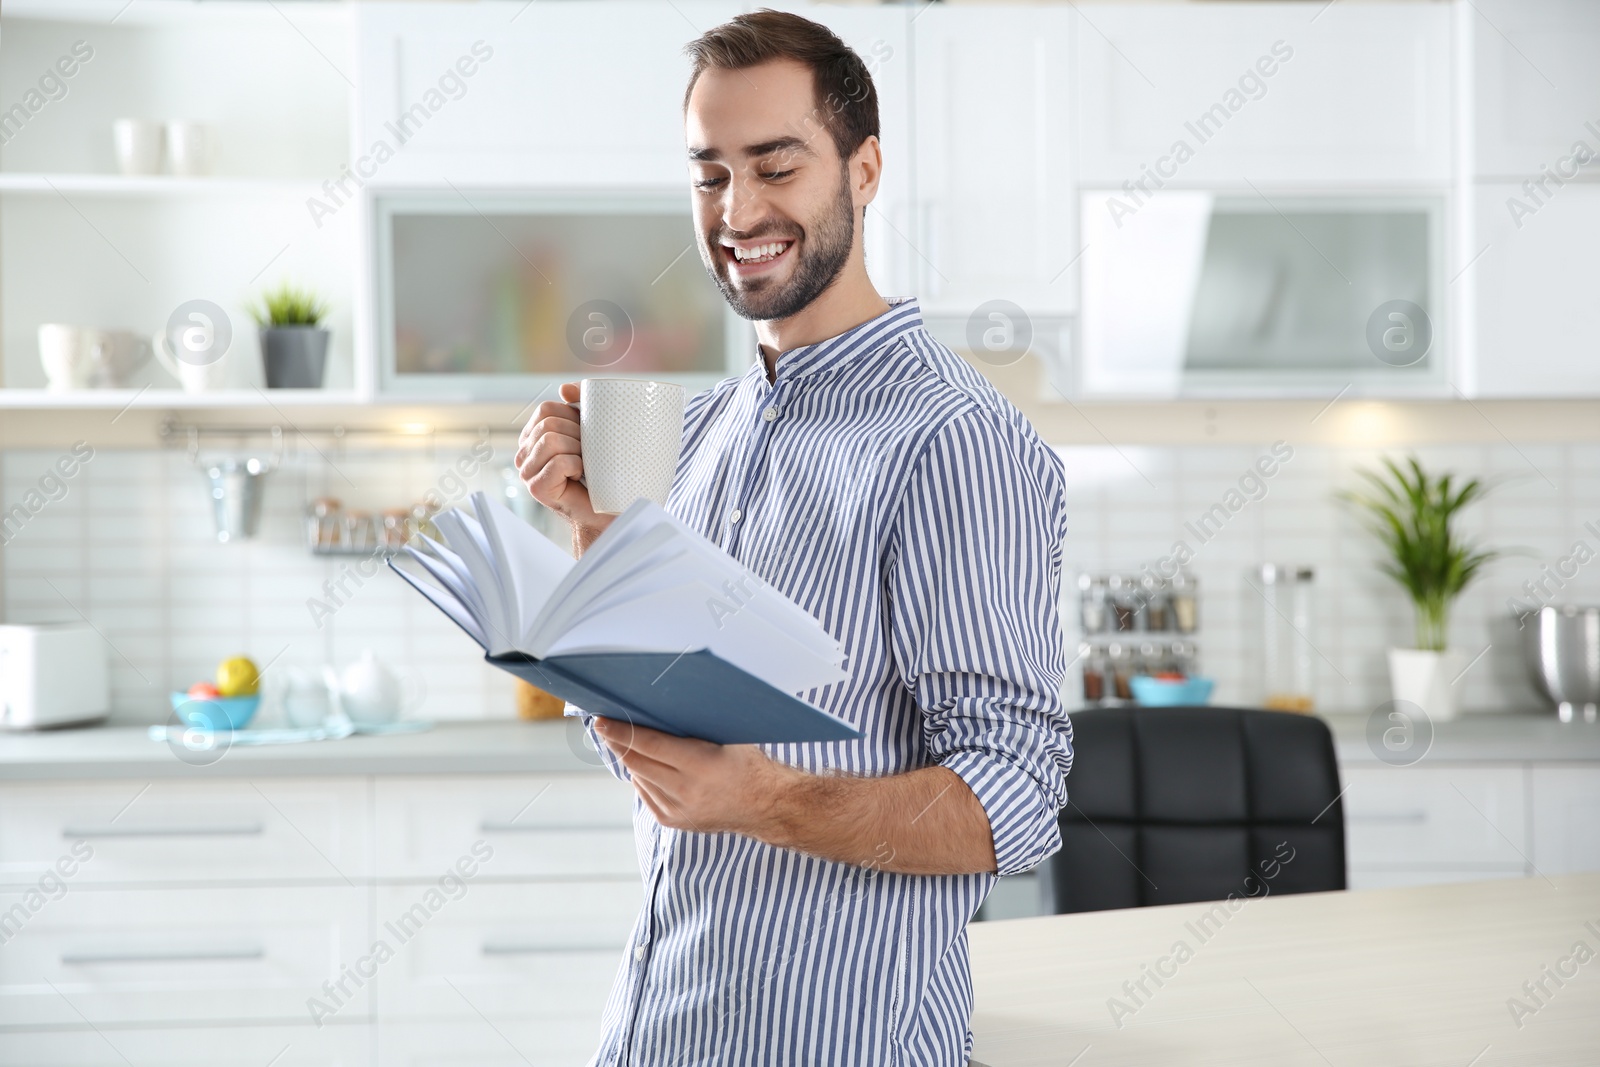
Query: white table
(1415, 977)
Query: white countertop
(508, 747)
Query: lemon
(238, 677)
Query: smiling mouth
(744, 258)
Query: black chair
(1172, 805)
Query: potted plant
(294, 345)
(1414, 515)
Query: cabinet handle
(244, 952)
(1399, 816)
(235, 830)
(537, 948)
(505, 826)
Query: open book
(655, 625)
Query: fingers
(571, 391)
(548, 417)
(663, 747)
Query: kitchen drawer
(1436, 817)
(538, 826)
(545, 950)
(567, 1043)
(201, 1046)
(278, 829)
(117, 956)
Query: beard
(823, 251)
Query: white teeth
(759, 252)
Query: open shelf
(114, 399)
(168, 12)
(153, 185)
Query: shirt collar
(903, 316)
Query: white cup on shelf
(140, 145)
(190, 146)
(632, 432)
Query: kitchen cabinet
(1263, 93)
(994, 132)
(351, 919)
(511, 93)
(1537, 322)
(1535, 85)
(1566, 819)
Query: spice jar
(1094, 603)
(1124, 602)
(1284, 618)
(1183, 593)
(1094, 674)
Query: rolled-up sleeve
(974, 579)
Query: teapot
(368, 692)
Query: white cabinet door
(545, 1043)
(128, 956)
(274, 829)
(1537, 280)
(1536, 85)
(1271, 92)
(508, 92)
(1419, 819)
(210, 1046)
(993, 167)
(512, 826)
(1566, 819)
(536, 950)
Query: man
(807, 904)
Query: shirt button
(735, 515)
(770, 415)
(638, 952)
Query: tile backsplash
(128, 543)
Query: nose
(744, 206)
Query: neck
(848, 302)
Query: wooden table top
(1416, 977)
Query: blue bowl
(1164, 693)
(215, 713)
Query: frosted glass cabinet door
(1535, 86)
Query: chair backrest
(1171, 805)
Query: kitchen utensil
(215, 713)
(1561, 645)
(52, 675)
(194, 377)
(189, 148)
(1281, 601)
(1170, 692)
(81, 357)
(632, 432)
(139, 144)
(368, 691)
(236, 488)
(306, 700)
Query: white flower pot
(1425, 678)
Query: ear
(866, 169)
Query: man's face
(773, 202)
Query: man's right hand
(549, 460)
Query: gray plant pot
(294, 356)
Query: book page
(442, 599)
(463, 534)
(530, 565)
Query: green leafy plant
(1414, 515)
(288, 305)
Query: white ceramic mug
(78, 357)
(632, 432)
(189, 148)
(140, 145)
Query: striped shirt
(882, 484)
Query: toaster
(52, 675)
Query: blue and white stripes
(884, 485)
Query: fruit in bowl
(1170, 690)
(238, 677)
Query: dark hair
(845, 95)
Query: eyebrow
(764, 148)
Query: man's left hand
(695, 785)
